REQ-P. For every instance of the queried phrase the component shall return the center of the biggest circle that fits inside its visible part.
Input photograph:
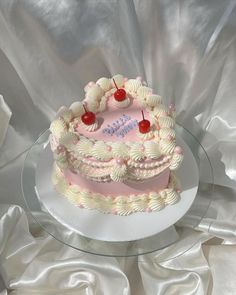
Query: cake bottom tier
(117, 204)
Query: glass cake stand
(67, 235)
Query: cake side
(120, 204)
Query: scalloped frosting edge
(119, 205)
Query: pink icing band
(156, 183)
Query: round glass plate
(73, 238)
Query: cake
(115, 151)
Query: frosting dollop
(58, 127)
(104, 83)
(119, 172)
(166, 122)
(77, 109)
(68, 139)
(67, 115)
(152, 150)
(136, 152)
(120, 149)
(95, 92)
(101, 151)
(166, 133)
(170, 196)
(121, 104)
(153, 100)
(176, 161)
(167, 146)
(90, 128)
(132, 85)
(84, 146)
(119, 79)
(143, 92)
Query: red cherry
(144, 125)
(88, 118)
(120, 95)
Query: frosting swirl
(95, 92)
(121, 104)
(143, 92)
(90, 128)
(176, 161)
(132, 85)
(77, 108)
(120, 149)
(104, 83)
(84, 146)
(167, 146)
(166, 121)
(119, 173)
(119, 79)
(166, 133)
(136, 152)
(100, 151)
(58, 127)
(152, 150)
(153, 100)
(68, 139)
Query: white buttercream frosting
(143, 92)
(58, 127)
(166, 133)
(146, 136)
(176, 161)
(92, 104)
(136, 152)
(103, 104)
(166, 121)
(119, 173)
(77, 109)
(67, 115)
(119, 79)
(153, 100)
(170, 196)
(101, 151)
(152, 150)
(95, 92)
(84, 146)
(167, 146)
(121, 104)
(91, 127)
(160, 111)
(68, 139)
(132, 85)
(120, 149)
(104, 83)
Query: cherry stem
(115, 83)
(85, 108)
(143, 115)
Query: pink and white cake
(115, 151)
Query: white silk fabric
(186, 51)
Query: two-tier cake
(115, 151)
